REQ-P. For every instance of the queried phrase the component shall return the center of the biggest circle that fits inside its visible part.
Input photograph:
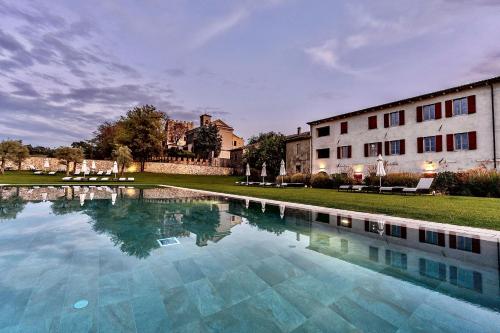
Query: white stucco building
(453, 129)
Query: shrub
(301, 178)
(478, 182)
(321, 180)
(341, 179)
(446, 182)
(284, 179)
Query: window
(344, 152)
(393, 119)
(323, 153)
(395, 147)
(462, 141)
(396, 259)
(298, 147)
(298, 168)
(432, 269)
(373, 149)
(431, 237)
(322, 217)
(429, 112)
(234, 143)
(373, 254)
(429, 144)
(323, 131)
(464, 243)
(372, 122)
(465, 278)
(395, 231)
(343, 127)
(375, 227)
(460, 106)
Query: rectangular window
(431, 237)
(429, 112)
(462, 141)
(322, 217)
(394, 119)
(432, 269)
(323, 131)
(234, 143)
(464, 243)
(429, 144)
(373, 254)
(323, 153)
(395, 231)
(395, 147)
(373, 149)
(460, 106)
(344, 152)
(372, 122)
(465, 278)
(298, 168)
(396, 259)
(343, 127)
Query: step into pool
(128, 259)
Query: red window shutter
(453, 241)
(338, 219)
(372, 122)
(437, 108)
(387, 148)
(421, 235)
(379, 148)
(402, 147)
(448, 105)
(367, 225)
(388, 229)
(420, 145)
(449, 142)
(366, 149)
(401, 117)
(338, 152)
(440, 239)
(419, 114)
(471, 104)
(343, 127)
(439, 143)
(476, 245)
(386, 120)
(472, 141)
(403, 232)
(349, 151)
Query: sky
(260, 65)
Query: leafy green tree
(266, 147)
(40, 150)
(67, 155)
(123, 156)
(88, 148)
(143, 132)
(207, 140)
(8, 149)
(105, 139)
(20, 154)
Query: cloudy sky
(66, 66)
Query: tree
(206, 141)
(123, 156)
(39, 150)
(8, 149)
(176, 131)
(143, 132)
(105, 139)
(20, 154)
(266, 147)
(66, 155)
(88, 147)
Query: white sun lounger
(357, 187)
(104, 179)
(66, 179)
(122, 179)
(93, 179)
(131, 179)
(37, 172)
(424, 185)
(78, 179)
(386, 189)
(99, 173)
(108, 173)
(51, 173)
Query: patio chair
(99, 173)
(423, 186)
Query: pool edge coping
(483, 233)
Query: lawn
(467, 211)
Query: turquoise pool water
(164, 260)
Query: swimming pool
(101, 259)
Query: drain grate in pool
(81, 304)
(168, 241)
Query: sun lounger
(51, 173)
(423, 186)
(292, 184)
(358, 188)
(67, 179)
(104, 179)
(131, 179)
(99, 173)
(122, 179)
(37, 172)
(345, 187)
(108, 173)
(93, 179)
(78, 179)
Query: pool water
(100, 259)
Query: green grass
(467, 211)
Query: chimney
(299, 129)
(205, 119)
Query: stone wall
(184, 166)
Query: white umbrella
(247, 203)
(380, 169)
(91, 196)
(115, 168)
(46, 163)
(282, 211)
(282, 170)
(82, 198)
(247, 173)
(93, 165)
(263, 173)
(113, 198)
(263, 204)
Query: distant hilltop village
(182, 135)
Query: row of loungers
(51, 173)
(270, 184)
(95, 179)
(423, 186)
